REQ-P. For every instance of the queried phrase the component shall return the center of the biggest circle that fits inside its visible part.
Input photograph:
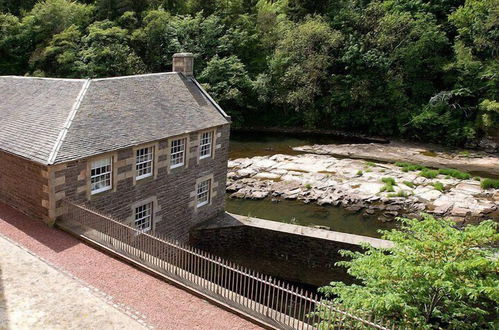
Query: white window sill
(177, 165)
(96, 191)
(202, 204)
(143, 176)
(205, 156)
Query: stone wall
(294, 253)
(24, 186)
(171, 190)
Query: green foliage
(489, 184)
(389, 183)
(406, 167)
(429, 174)
(434, 276)
(454, 173)
(359, 173)
(401, 193)
(308, 186)
(418, 69)
(370, 164)
(409, 184)
(438, 186)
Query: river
(296, 212)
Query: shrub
(454, 173)
(476, 178)
(359, 173)
(429, 174)
(308, 186)
(435, 276)
(438, 186)
(409, 184)
(489, 184)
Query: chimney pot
(183, 62)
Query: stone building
(150, 150)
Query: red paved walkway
(163, 305)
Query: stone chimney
(183, 62)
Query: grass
(438, 186)
(476, 178)
(370, 164)
(490, 184)
(409, 184)
(399, 194)
(454, 173)
(308, 186)
(359, 173)
(429, 174)
(406, 167)
(389, 183)
(465, 153)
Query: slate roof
(57, 120)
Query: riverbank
(358, 186)
(475, 162)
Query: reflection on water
(265, 144)
(298, 213)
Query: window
(100, 175)
(205, 145)
(143, 217)
(203, 192)
(144, 162)
(177, 155)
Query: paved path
(34, 295)
(160, 304)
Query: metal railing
(273, 302)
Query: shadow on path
(36, 229)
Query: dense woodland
(422, 69)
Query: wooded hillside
(421, 69)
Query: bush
(435, 276)
(409, 184)
(438, 186)
(454, 173)
(489, 184)
(429, 174)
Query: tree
(106, 52)
(434, 275)
(227, 80)
(299, 67)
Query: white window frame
(146, 215)
(104, 175)
(203, 189)
(144, 161)
(174, 152)
(205, 144)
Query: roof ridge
(69, 120)
(135, 75)
(44, 78)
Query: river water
(296, 212)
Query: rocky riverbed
(357, 185)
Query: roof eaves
(67, 124)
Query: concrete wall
(295, 253)
(171, 190)
(24, 186)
